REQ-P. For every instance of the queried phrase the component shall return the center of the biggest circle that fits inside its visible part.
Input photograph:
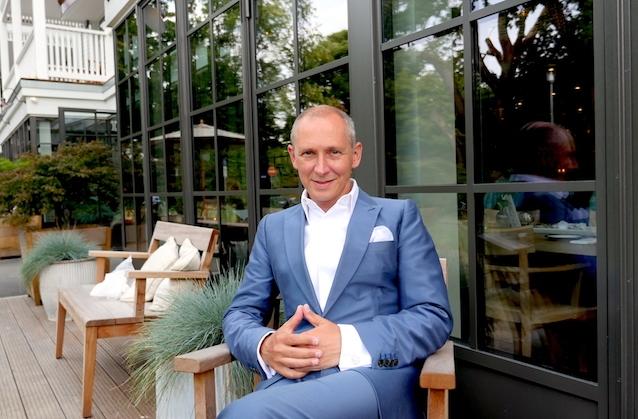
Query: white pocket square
(381, 234)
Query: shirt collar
(348, 200)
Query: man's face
(324, 157)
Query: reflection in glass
(167, 8)
(234, 230)
(124, 99)
(201, 76)
(154, 92)
(479, 4)
(197, 12)
(138, 170)
(175, 210)
(204, 172)
(173, 158)
(276, 113)
(529, 72)
(329, 87)
(207, 211)
(152, 28)
(445, 216)
(170, 83)
(539, 282)
(120, 51)
(126, 155)
(402, 17)
(227, 42)
(140, 219)
(424, 108)
(274, 203)
(274, 44)
(132, 46)
(158, 171)
(130, 238)
(231, 144)
(136, 114)
(322, 32)
(159, 209)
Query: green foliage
(51, 248)
(6, 164)
(192, 322)
(78, 183)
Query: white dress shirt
(324, 239)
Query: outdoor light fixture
(551, 76)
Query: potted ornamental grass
(193, 321)
(60, 260)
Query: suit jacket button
(380, 362)
(395, 362)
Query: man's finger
(313, 318)
(293, 321)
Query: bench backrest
(199, 236)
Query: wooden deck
(33, 384)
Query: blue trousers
(320, 395)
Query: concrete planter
(64, 274)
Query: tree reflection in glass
(227, 46)
(330, 87)
(231, 144)
(124, 98)
(152, 28)
(402, 17)
(157, 162)
(536, 65)
(136, 111)
(173, 158)
(424, 108)
(170, 84)
(126, 155)
(322, 31)
(201, 75)
(154, 77)
(276, 113)
(204, 162)
(274, 41)
(167, 10)
(197, 12)
(138, 171)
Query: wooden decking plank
(37, 396)
(10, 402)
(65, 384)
(111, 385)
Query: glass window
(479, 4)
(274, 203)
(424, 111)
(322, 32)
(158, 159)
(170, 83)
(175, 209)
(231, 143)
(124, 108)
(274, 41)
(204, 163)
(445, 217)
(276, 113)
(534, 100)
(197, 11)
(402, 17)
(132, 45)
(126, 156)
(120, 51)
(207, 209)
(227, 35)
(167, 10)
(330, 87)
(173, 158)
(539, 278)
(201, 75)
(234, 228)
(152, 28)
(136, 116)
(154, 76)
(138, 170)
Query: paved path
(10, 281)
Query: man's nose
(321, 165)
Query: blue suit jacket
(393, 292)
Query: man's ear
(356, 154)
(291, 153)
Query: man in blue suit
(361, 284)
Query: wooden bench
(99, 236)
(437, 375)
(103, 318)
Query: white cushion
(189, 260)
(115, 282)
(160, 260)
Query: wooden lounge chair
(437, 375)
(102, 318)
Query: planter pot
(178, 399)
(65, 274)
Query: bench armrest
(168, 274)
(438, 369)
(203, 360)
(118, 254)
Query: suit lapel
(358, 235)
(294, 245)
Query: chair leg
(59, 331)
(437, 404)
(205, 403)
(88, 369)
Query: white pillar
(108, 51)
(16, 28)
(4, 51)
(40, 39)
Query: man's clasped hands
(294, 355)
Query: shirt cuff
(265, 367)
(353, 352)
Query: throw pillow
(115, 282)
(160, 260)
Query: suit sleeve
(424, 320)
(251, 308)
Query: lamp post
(551, 76)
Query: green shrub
(51, 248)
(192, 322)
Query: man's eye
(307, 153)
(336, 152)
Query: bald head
(323, 111)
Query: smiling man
(361, 283)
